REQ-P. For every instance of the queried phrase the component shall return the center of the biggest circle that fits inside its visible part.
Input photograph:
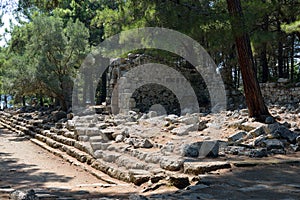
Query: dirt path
(24, 165)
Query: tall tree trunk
(292, 57)
(263, 54)
(280, 50)
(5, 102)
(254, 99)
(103, 86)
(23, 101)
(264, 63)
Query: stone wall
(139, 83)
(280, 93)
(177, 100)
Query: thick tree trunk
(254, 99)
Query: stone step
(72, 151)
(59, 138)
(135, 176)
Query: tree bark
(264, 60)
(280, 50)
(254, 99)
(292, 57)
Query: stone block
(285, 133)
(179, 182)
(184, 130)
(209, 149)
(139, 176)
(237, 136)
(171, 163)
(197, 168)
(273, 144)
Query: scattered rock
(179, 181)
(119, 138)
(152, 114)
(168, 147)
(146, 144)
(58, 115)
(287, 134)
(295, 147)
(269, 120)
(273, 144)
(202, 125)
(258, 153)
(199, 167)
(283, 80)
(237, 136)
(188, 120)
(184, 130)
(209, 149)
(258, 131)
(172, 118)
(23, 195)
(191, 150)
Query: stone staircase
(88, 139)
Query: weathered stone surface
(153, 158)
(204, 167)
(269, 120)
(202, 125)
(237, 136)
(295, 147)
(107, 156)
(191, 150)
(259, 153)
(188, 120)
(107, 134)
(145, 143)
(119, 138)
(171, 163)
(259, 140)
(172, 118)
(209, 148)
(58, 115)
(23, 195)
(257, 131)
(273, 144)
(152, 114)
(179, 182)
(139, 176)
(184, 130)
(287, 134)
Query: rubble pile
(145, 147)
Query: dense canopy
(51, 39)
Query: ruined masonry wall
(279, 93)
